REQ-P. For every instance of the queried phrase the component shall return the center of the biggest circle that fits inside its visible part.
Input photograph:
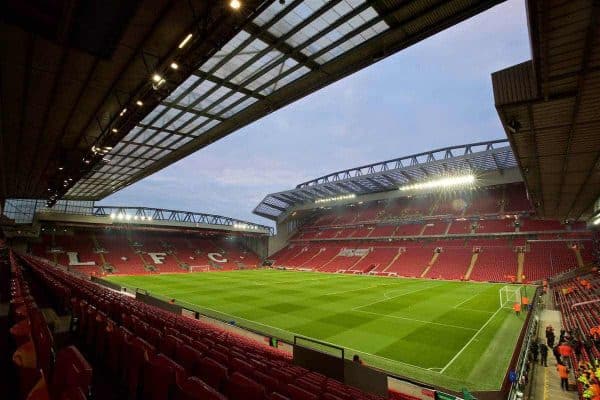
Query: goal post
(509, 295)
(199, 268)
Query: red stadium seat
(241, 387)
(297, 393)
(160, 377)
(213, 373)
(70, 370)
(194, 388)
(188, 357)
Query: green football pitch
(451, 334)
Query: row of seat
(42, 372)
(137, 343)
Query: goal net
(199, 268)
(509, 295)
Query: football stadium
(462, 272)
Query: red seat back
(194, 388)
(240, 387)
(71, 370)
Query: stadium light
(174, 65)
(335, 198)
(115, 130)
(185, 41)
(597, 221)
(123, 111)
(128, 217)
(451, 181)
(235, 4)
(120, 216)
(139, 103)
(112, 216)
(149, 218)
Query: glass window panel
(160, 135)
(185, 85)
(270, 12)
(180, 121)
(217, 108)
(153, 114)
(239, 107)
(193, 125)
(170, 140)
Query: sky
(434, 94)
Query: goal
(199, 268)
(510, 295)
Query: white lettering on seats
(217, 257)
(157, 258)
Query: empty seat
(194, 388)
(213, 373)
(160, 376)
(241, 387)
(188, 357)
(297, 393)
(71, 370)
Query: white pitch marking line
(464, 301)
(418, 320)
(351, 290)
(393, 297)
(471, 340)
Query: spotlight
(112, 216)
(235, 4)
(156, 78)
(114, 130)
(189, 37)
(139, 103)
(441, 183)
(174, 65)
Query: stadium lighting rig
(335, 198)
(243, 226)
(128, 217)
(441, 183)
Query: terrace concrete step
(471, 265)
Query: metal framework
(161, 214)
(495, 155)
(285, 52)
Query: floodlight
(156, 78)
(174, 65)
(185, 41)
(235, 4)
(115, 130)
(112, 216)
(139, 103)
(446, 182)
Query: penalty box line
(471, 340)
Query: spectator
(563, 373)
(533, 347)
(556, 354)
(550, 336)
(357, 359)
(525, 302)
(543, 354)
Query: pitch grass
(451, 334)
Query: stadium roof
(495, 155)
(70, 68)
(550, 108)
(239, 66)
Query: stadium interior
(430, 276)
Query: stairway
(431, 262)
(578, 256)
(393, 261)
(474, 258)
(520, 266)
(359, 260)
(503, 201)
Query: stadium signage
(75, 261)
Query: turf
(451, 334)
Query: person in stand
(565, 351)
(563, 373)
(561, 338)
(357, 359)
(556, 354)
(543, 354)
(525, 302)
(550, 336)
(533, 347)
